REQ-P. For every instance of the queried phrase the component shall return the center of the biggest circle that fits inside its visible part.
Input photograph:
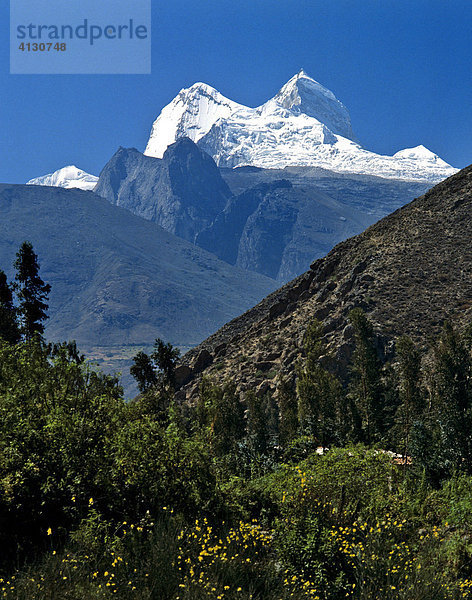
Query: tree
(366, 388)
(411, 397)
(262, 423)
(165, 356)
(32, 292)
(143, 372)
(227, 419)
(288, 411)
(155, 377)
(453, 396)
(156, 369)
(258, 434)
(9, 330)
(319, 392)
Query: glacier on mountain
(67, 177)
(304, 124)
(191, 114)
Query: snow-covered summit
(303, 95)
(304, 124)
(191, 114)
(420, 152)
(67, 177)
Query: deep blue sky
(402, 67)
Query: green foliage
(313, 342)
(227, 420)
(233, 499)
(411, 395)
(321, 403)
(453, 397)
(27, 319)
(366, 388)
(143, 372)
(165, 358)
(288, 413)
(156, 370)
(262, 423)
(68, 442)
(56, 419)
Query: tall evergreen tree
(9, 330)
(219, 417)
(227, 419)
(258, 431)
(453, 396)
(319, 400)
(288, 413)
(32, 292)
(366, 384)
(319, 392)
(272, 416)
(411, 396)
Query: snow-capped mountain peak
(289, 94)
(304, 124)
(420, 152)
(67, 177)
(191, 113)
(302, 94)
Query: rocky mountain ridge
(182, 192)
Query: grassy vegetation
(325, 491)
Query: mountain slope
(303, 124)
(118, 280)
(373, 196)
(277, 228)
(409, 272)
(183, 192)
(67, 177)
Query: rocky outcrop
(183, 192)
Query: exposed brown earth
(409, 272)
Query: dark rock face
(182, 375)
(277, 228)
(288, 217)
(250, 229)
(183, 192)
(270, 221)
(409, 272)
(203, 360)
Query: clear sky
(402, 68)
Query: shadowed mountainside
(119, 280)
(183, 192)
